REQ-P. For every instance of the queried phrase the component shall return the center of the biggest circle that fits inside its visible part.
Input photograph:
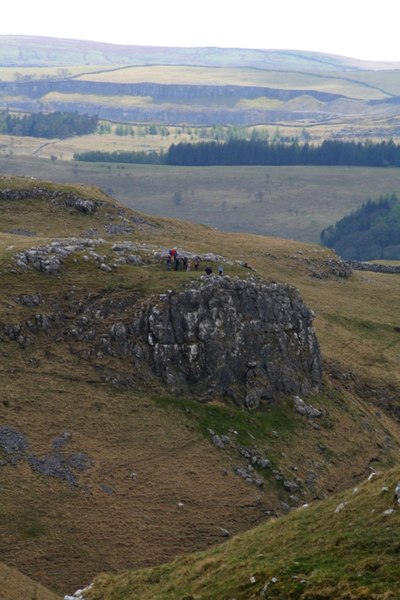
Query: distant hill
(200, 86)
(371, 232)
(34, 51)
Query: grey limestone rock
(290, 486)
(13, 445)
(69, 199)
(60, 465)
(29, 299)
(246, 339)
(306, 409)
(217, 441)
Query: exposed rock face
(220, 336)
(69, 199)
(247, 339)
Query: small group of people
(177, 262)
(181, 263)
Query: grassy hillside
(152, 484)
(15, 586)
(343, 548)
(289, 202)
(284, 79)
(30, 50)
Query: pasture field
(288, 202)
(337, 83)
(359, 84)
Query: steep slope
(370, 233)
(105, 466)
(345, 547)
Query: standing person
(169, 262)
(176, 261)
(220, 270)
(189, 265)
(184, 263)
(196, 263)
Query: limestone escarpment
(243, 338)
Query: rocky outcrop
(218, 337)
(306, 410)
(49, 259)
(60, 463)
(69, 199)
(246, 339)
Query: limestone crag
(69, 199)
(49, 259)
(220, 336)
(247, 339)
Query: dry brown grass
(64, 536)
(15, 586)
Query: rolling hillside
(34, 51)
(200, 86)
(107, 467)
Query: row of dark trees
(371, 232)
(244, 152)
(47, 125)
(256, 152)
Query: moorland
(109, 468)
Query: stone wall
(375, 267)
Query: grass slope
(112, 521)
(15, 586)
(345, 547)
(290, 202)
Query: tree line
(121, 156)
(371, 232)
(47, 125)
(253, 152)
(261, 152)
